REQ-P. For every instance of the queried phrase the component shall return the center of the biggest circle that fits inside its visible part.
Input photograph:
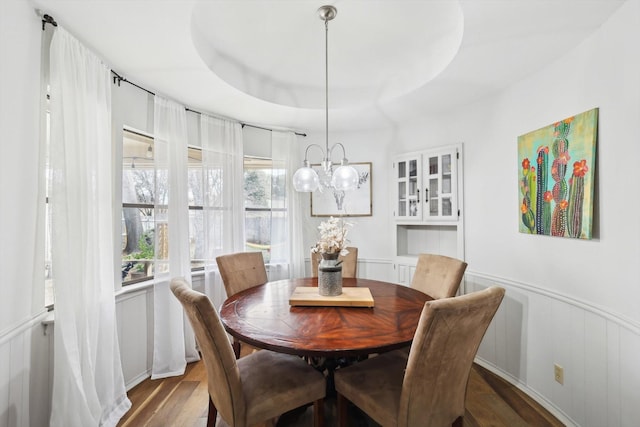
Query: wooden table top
(262, 317)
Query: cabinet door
(408, 184)
(440, 176)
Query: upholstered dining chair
(349, 263)
(428, 388)
(438, 276)
(256, 388)
(240, 271)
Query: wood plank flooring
(183, 402)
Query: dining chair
(349, 262)
(240, 271)
(258, 387)
(428, 388)
(438, 276)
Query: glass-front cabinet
(426, 185)
(440, 192)
(428, 208)
(408, 183)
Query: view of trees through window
(264, 196)
(145, 197)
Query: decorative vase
(330, 275)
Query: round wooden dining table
(262, 317)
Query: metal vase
(330, 275)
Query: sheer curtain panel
(88, 385)
(222, 164)
(173, 341)
(287, 253)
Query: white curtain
(173, 340)
(223, 204)
(88, 385)
(287, 253)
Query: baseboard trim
(546, 404)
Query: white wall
(25, 388)
(571, 302)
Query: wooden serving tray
(350, 297)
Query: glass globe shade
(345, 178)
(305, 180)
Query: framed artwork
(556, 175)
(344, 203)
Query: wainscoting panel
(134, 313)
(535, 329)
(25, 374)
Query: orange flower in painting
(563, 204)
(580, 168)
(548, 197)
(569, 120)
(523, 208)
(526, 164)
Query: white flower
(333, 237)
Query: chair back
(438, 276)
(349, 263)
(242, 270)
(446, 341)
(223, 376)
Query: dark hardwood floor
(182, 401)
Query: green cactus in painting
(560, 151)
(527, 187)
(576, 199)
(541, 184)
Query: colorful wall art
(556, 170)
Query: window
(264, 212)
(142, 190)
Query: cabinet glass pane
(413, 186)
(446, 163)
(402, 169)
(413, 208)
(413, 168)
(433, 187)
(433, 165)
(402, 211)
(446, 207)
(402, 190)
(446, 184)
(433, 207)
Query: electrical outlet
(558, 373)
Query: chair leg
(343, 404)
(318, 413)
(213, 414)
(236, 348)
(457, 422)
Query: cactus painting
(555, 174)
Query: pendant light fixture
(344, 177)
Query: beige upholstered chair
(240, 271)
(349, 263)
(256, 388)
(428, 388)
(438, 276)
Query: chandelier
(344, 177)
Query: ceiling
(263, 62)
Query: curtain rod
(117, 79)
